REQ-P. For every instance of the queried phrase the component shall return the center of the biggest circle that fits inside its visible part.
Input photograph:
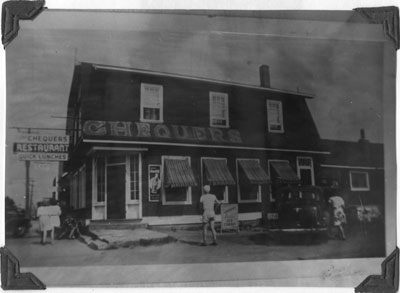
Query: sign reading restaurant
(163, 131)
(39, 147)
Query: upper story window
(219, 113)
(359, 181)
(275, 116)
(151, 102)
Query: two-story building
(144, 143)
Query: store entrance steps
(117, 225)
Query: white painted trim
(195, 219)
(124, 69)
(127, 149)
(351, 167)
(204, 146)
(258, 200)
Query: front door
(116, 191)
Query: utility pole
(27, 193)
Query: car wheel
(20, 231)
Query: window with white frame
(219, 109)
(275, 116)
(305, 170)
(247, 191)
(359, 181)
(220, 190)
(173, 169)
(151, 102)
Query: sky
(345, 76)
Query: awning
(254, 173)
(285, 172)
(178, 173)
(217, 172)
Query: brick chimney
(364, 146)
(362, 136)
(264, 76)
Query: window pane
(219, 109)
(151, 101)
(176, 194)
(274, 113)
(304, 162)
(359, 180)
(248, 191)
(116, 160)
(151, 113)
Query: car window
(292, 195)
(309, 195)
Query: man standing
(208, 201)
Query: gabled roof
(362, 153)
(208, 80)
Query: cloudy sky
(345, 76)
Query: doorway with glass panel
(123, 188)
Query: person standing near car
(339, 217)
(208, 202)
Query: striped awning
(178, 173)
(285, 172)
(254, 173)
(217, 172)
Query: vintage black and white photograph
(200, 145)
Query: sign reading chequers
(32, 147)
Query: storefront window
(178, 178)
(215, 172)
(134, 162)
(177, 194)
(250, 178)
(247, 191)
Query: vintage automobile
(301, 209)
(16, 223)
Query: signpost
(39, 147)
(229, 217)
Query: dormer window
(275, 116)
(151, 102)
(219, 111)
